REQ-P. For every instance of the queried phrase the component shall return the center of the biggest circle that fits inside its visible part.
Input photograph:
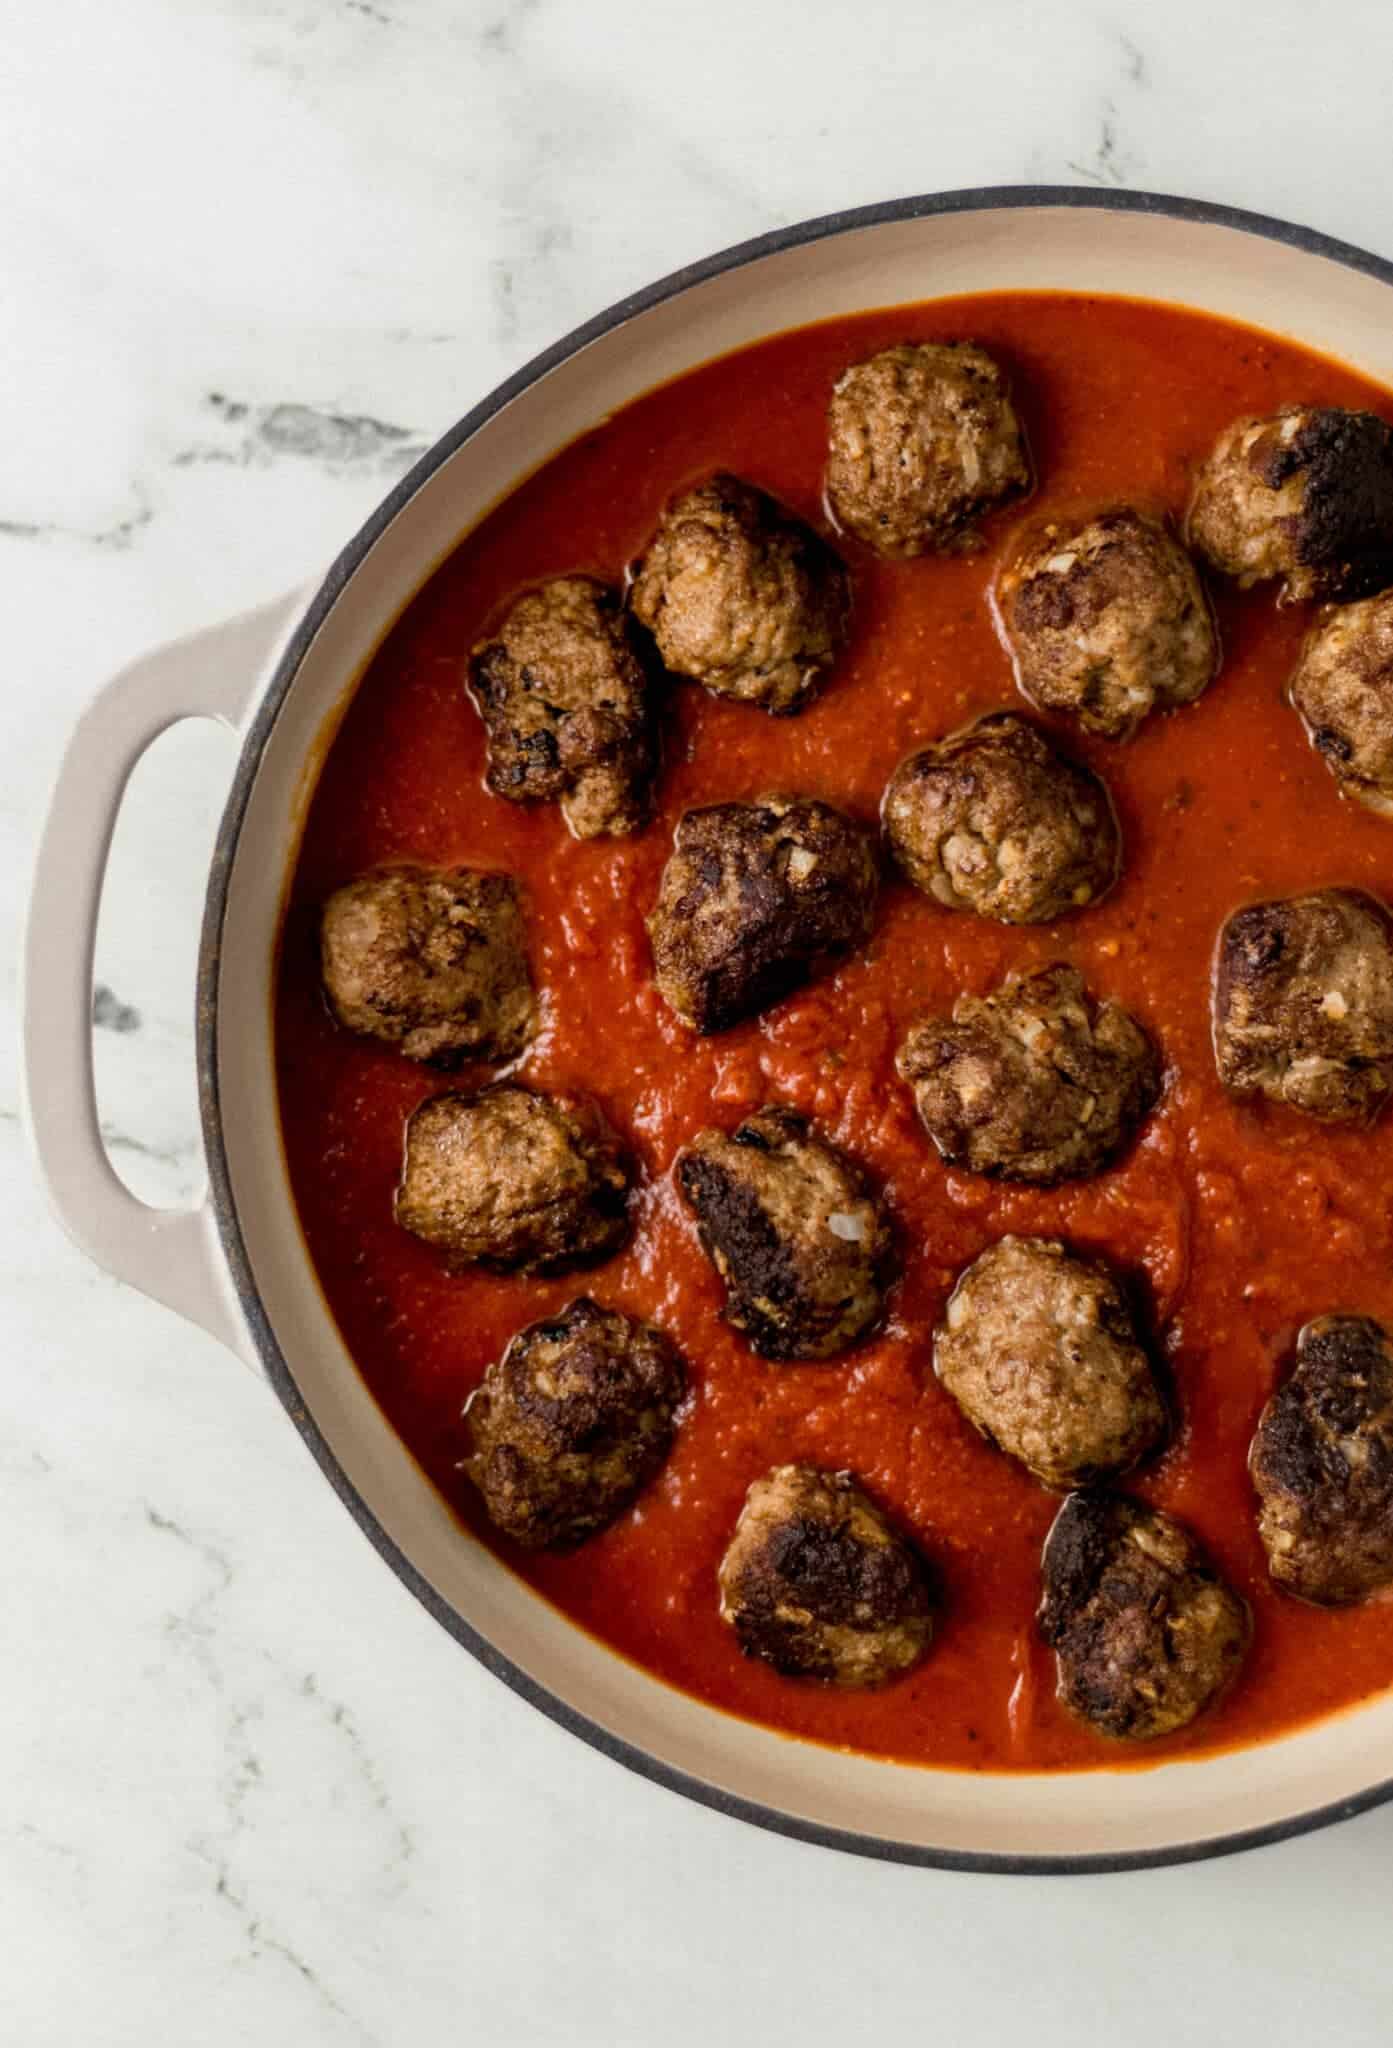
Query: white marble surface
(256, 253)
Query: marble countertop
(257, 254)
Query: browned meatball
(922, 442)
(755, 900)
(1145, 1633)
(742, 597)
(515, 1179)
(571, 1423)
(1106, 621)
(1306, 496)
(817, 1583)
(432, 963)
(1322, 1463)
(1303, 1004)
(794, 1231)
(566, 704)
(1039, 1349)
(1035, 1082)
(996, 820)
(1343, 689)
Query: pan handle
(172, 1255)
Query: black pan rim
(991, 198)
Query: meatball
(755, 900)
(1322, 1463)
(1303, 1004)
(922, 442)
(1306, 496)
(432, 963)
(1106, 621)
(1145, 1632)
(817, 1583)
(994, 819)
(1036, 1082)
(1343, 689)
(794, 1231)
(1039, 1349)
(742, 597)
(515, 1179)
(571, 1423)
(566, 704)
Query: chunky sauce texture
(1240, 1222)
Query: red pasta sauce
(1240, 1221)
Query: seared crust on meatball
(793, 1229)
(433, 963)
(571, 1423)
(512, 1178)
(1106, 621)
(996, 820)
(1306, 496)
(1303, 1004)
(817, 1583)
(743, 597)
(1036, 1082)
(922, 441)
(1145, 1633)
(1322, 1464)
(1039, 1349)
(565, 699)
(755, 900)
(1343, 690)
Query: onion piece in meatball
(1039, 1348)
(1343, 691)
(816, 1582)
(923, 442)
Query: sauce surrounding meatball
(742, 597)
(1322, 1465)
(922, 443)
(1343, 690)
(1305, 496)
(1036, 1082)
(1146, 1634)
(1303, 1004)
(793, 1229)
(756, 899)
(995, 819)
(571, 1423)
(1106, 621)
(433, 962)
(1039, 1348)
(565, 698)
(817, 1583)
(515, 1179)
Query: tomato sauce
(1241, 1222)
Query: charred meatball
(565, 699)
(922, 442)
(515, 1179)
(1106, 621)
(755, 900)
(1343, 689)
(1303, 1004)
(571, 1423)
(1322, 1463)
(1145, 1633)
(432, 963)
(1306, 496)
(742, 597)
(817, 1583)
(1035, 1082)
(1039, 1349)
(792, 1227)
(994, 819)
